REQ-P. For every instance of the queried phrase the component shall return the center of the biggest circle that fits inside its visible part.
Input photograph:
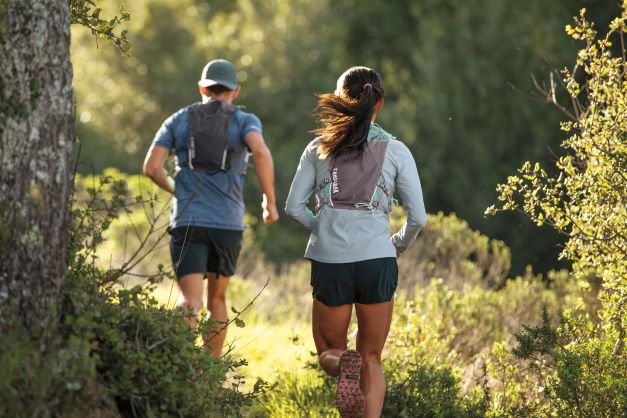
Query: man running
(212, 141)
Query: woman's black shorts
(366, 282)
(200, 250)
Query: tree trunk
(36, 136)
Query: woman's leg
(330, 325)
(190, 300)
(216, 305)
(373, 326)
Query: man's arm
(153, 167)
(265, 173)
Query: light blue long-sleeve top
(344, 235)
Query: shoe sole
(349, 400)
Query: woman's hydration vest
(355, 180)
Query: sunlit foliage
(86, 14)
(586, 198)
(456, 73)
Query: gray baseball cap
(219, 72)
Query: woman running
(354, 167)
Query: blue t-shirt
(200, 199)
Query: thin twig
(239, 313)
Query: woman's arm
(408, 186)
(302, 187)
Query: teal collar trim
(377, 133)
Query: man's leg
(373, 325)
(216, 305)
(189, 258)
(191, 287)
(224, 250)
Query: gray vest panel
(355, 180)
(208, 146)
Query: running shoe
(349, 400)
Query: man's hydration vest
(208, 147)
(355, 180)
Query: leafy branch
(87, 14)
(587, 198)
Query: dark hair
(217, 89)
(346, 114)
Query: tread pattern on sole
(349, 400)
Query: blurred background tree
(458, 76)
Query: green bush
(117, 352)
(442, 323)
(464, 337)
(55, 379)
(589, 378)
(431, 392)
(449, 354)
(584, 199)
(584, 196)
(151, 365)
(450, 250)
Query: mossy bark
(36, 139)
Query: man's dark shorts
(366, 282)
(202, 250)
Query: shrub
(448, 354)
(585, 201)
(116, 352)
(149, 361)
(55, 379)
(440, 322)
(589, 377)
(431, 392)
(449, 249)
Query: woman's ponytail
(346, 114)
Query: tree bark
(36, 137)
